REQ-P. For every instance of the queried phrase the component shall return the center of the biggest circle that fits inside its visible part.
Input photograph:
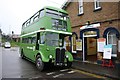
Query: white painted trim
(81, 11)
(69, 33)
(114, 55)
(112, 38)
(84, 44)
(90, 26)
(89, 35)
(98, 1)
(118, 45)
(47, 30)
(97, 8)
(73, 51)
(72, 47)
(83, 49)
(107, 37)
(31, 33)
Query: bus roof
(28, 27)
(52, 8)
(57, 9)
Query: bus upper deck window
(36, 16)
(42, 13)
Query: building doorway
(89, 38)
(90, 48)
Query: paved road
(15, 67)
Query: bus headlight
(66, 56)
(50, 56)
(60, 42)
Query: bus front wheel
(69, 64)
(39, 63)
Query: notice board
(100, 44)
(79, 45)
(107, 51)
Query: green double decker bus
(43, 38)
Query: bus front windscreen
(52, 39)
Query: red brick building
(91, 21)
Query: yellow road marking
(90, 74)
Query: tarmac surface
(15, 67)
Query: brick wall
(105, 25)
(119, 14)
(109, 11)
(108, 16)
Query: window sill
(80, 14)
(98, 9)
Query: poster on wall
(119, 46)
(100, 44)
(79, 45)
(107, 51)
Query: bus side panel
(46, 51)
(23, 47)
(28, 50)
(43, 53)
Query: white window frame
(113, 55)
(112, 39)
(97, 4)
(73, 51)
(81, 7)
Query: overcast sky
(14, 12)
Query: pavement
(110, 72)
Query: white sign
(119, 46)
(101, 43)
(107, 51)
(90, 26)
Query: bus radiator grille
(59, 56)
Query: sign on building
(79, 45)
(107, 51)
(90, 26)
(101, 43)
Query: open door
(38, 41)
(90, 48)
